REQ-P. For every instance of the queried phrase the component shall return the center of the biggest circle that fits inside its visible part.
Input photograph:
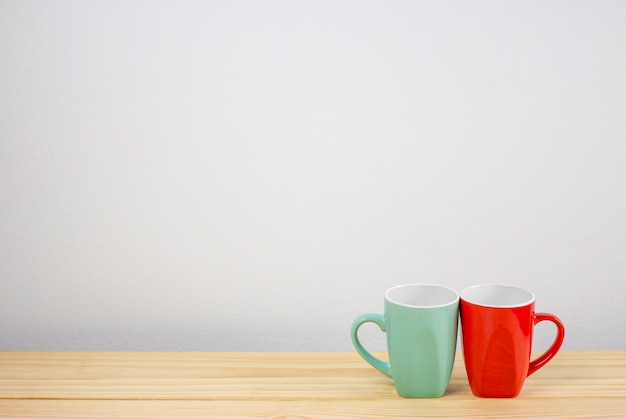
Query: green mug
(421, 323)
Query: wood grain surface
(574, 384)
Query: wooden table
(285, 385)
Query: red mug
(497, 323)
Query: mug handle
(556, 345)
(379, 320)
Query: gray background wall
(252, 175)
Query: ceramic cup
(497, 323)
(421, 323)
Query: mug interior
(421, 295)
(501, 296)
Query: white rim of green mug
(448, 302)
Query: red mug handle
(556, 345)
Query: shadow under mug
(497, 323)
(421, 323)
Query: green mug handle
(379, 320)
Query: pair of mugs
(421, 322)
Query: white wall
(252, 175)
